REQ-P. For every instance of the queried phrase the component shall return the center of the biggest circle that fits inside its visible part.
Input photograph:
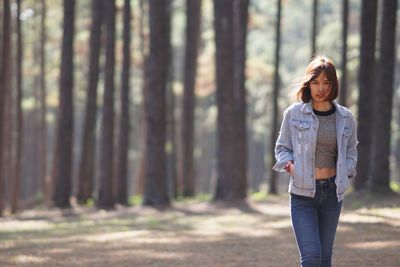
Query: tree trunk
(314, 29)
(155, 188)
(240, 19)
(105, 198)
(383, 101)
(122, 173)
(397, 142)
(171, 135)
(5, 83)
(35, 134)
(65, 115)
(46, 179)
(8, 146)
(258, 168)
(230, 23)
(366, 83)
(15, 191)
(343, 83)
(140, 169)
(193, 19)
(87, 162)
(1, 37)
(273, 188)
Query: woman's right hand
(291, 169)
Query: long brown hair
(318, 65)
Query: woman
(317, 147)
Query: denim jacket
(297, 141)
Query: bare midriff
(324, 173)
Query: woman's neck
(322, 106)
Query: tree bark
(345, 25)
(273, 188)
(46, 179)
(230, 23)
(171, 135)
(122, 173)
(366, 82)
(193, 19)
(383, 101)
(257, 164)
(314, 29)
(140, 170)
(87, 162)
(397, 141)
(15, 191)
(66, 111)
(155, 188)
(106, 199)
(240, 19)
(5, 83)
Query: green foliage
(135, 200)
(259, 196)
(153, 223)
(202, 197)
(39, 197)
(395, 186)
(89, 203)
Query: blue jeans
(314, 223)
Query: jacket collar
(307, 108)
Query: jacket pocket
(346, 137)
(301, 130)
(344, 183)
(347, 132)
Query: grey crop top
(326, 149)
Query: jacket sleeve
(283, 146)
(351, 153)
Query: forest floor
(195, 234)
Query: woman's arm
(351, 153)
(283, 147)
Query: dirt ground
(195, 234)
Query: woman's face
(320, 88)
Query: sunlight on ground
(375, 245)
(126, 236)
(391, 213)
(58, 250)
(373, 216)
(16, 226)
(358, 218)
(28, 259)
(159, 255)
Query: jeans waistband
(329, 180)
